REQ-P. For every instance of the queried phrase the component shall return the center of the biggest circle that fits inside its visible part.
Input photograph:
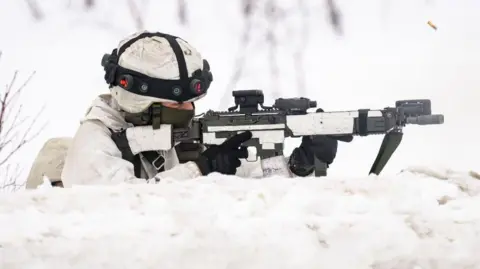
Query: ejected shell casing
(432, 25)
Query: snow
(404, 221)
(425, 217)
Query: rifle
(288, 117)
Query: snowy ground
(401, 222)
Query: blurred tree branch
(136, 14)
(12, 136)
(335, 17)
(274, 16)
(247, 8)
(34, 9)
(89, 4)
(182, 12)
(272, 11)
(298, 56)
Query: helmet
(152, 67)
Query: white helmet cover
(146, 69)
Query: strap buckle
(158, 162)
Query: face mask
(179, 118)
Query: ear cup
(200, 82)
(206, 65)
(105, 59)
(109, 63)
(207, 74)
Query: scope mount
(248, 101)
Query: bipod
(390, 143)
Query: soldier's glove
(301, 161)
(224, 158)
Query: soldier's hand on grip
(224, 158)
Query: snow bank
(407, 221)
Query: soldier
(154, 80)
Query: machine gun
(289, 117)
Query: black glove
(324, 148)
(224, 158)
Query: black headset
(181, 90)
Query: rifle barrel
(426, 119)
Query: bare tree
(15, 131)
(34, 9)
(10, 182)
